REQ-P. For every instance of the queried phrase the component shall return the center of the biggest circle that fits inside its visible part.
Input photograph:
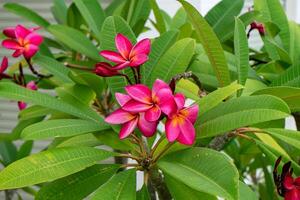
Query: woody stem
(74, 66)
(34, 71)
(127, 78)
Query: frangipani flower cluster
(144, 108)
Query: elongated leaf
(210, 43)
(246, 193)
(160, 22)
(111, 138)
(120, 186)
(59, 11)
(25, 149)
(8, 152)
(93, 14)
(288, 136)
(111, 27)
(18, 93)
(158, 48)
(75, 40)
(54, 67)
(291, 77)
(241, 51)
(188, 88)
(203, 170)
(49, 165)
(61, 128)
(143, 194)
(291, 95)
(79, 185)
(174, 61)
(222, 15)
(243, 111)
(86, 140)
(213, 99)
(34, 111)
(26, 13)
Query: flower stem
(167, 147)
(130, 156)
(134, 74)
(127, 78)
(34, 71)
(74, 66)
(156, 145)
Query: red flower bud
(105, 69)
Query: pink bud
(22, 105)
(31, 85)
(4, 64)
(9, 32)
(105, 69)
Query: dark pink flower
(180, 124)
(32, 86)
(22, 41)
(153, 103)
(130, 120)
(105, 69)
(259, 26)
(3, 67)
(128, 55)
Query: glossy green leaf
(93, 14)
(216, 97)
(241, 52)
(54, 67)
(27, 14)
(291, 95)
(8, 152)
(291, 77)
(222, 15)
(78, 42)
(87, 140)
(188, 88)
(49, 165)
(143, 194)
(77, 186)
(34, 111)
(110, 28)
(74, 17)
(158, 48)
(240, 112)
(59, 11)
(203, 170)
(15, 92)
(120, 187)
(246, 193)
(25, 149)
(174, 61)
(160, 22)
(61, 128)
(210, 43)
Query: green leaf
(59, 11)
(160, 22)
(61, 128)
(291, 95)
(77, 186)
(241, 51)
(216, 97)
(26, 13)
(188, 88)
(120, 187)
(158, 48)
(74, 17)
(246, 193)
(240, 112)
(199, 169)
(174, 61)
(143, 194)
(110, 28)
(210, 43)
(54, 67)
(272, 11)
(49, 165)
(291, 77)
(33, 112)
(78, 42)
(288, 136)
(25, 149)
(93, 14)
(222, 15)
(179, 190)
(87, 140)
(8, 152)
(14, 92)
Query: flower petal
(122, 98)
(139, 92)
(33, 38)
(166, 101)
(128, 128)
(191, 113)
(158, 85)
(172, 129)
(142, 47)
(9, 32)
(17, 53)
(293, 194)
(180, 100)
(30, 50)
(288, 182)
(31, 85)
(138, 60)
(119, 116)
(123, 45)
(187, 134)
(136, 106)
(21, 32)
(121, 65)
(112, 56)
(22, 105)
(147, 128)
(153, 114)
(11, 44)
(4, 64)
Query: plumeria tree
(197, 112)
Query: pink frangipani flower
(22, 40)
(130, 120)
(128, 55)
(153, 103)
(105, 70)
(180, 124)
(31, 86)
